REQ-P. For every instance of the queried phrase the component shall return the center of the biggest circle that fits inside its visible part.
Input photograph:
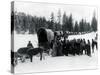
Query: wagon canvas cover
(47, 37)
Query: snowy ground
(53, 63)
(21, 40)
(57, 64)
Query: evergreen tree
(88, 27)
(59, 20)
(81, 24)
(64, 18)
(94, 23)
(64, 22)
(76, 28)
(70, 23)
(85, 26)
(51, 23)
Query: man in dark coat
(65, 51)
(59, 47)
(30, 45)
(94, 43)
(88, 48)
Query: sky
(45, 9)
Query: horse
(34, 51)
(14, 58)
(22, 52)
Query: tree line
(24, 22)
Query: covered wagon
(45, 37)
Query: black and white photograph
(47, 37)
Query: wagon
(45, 37)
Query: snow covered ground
(57, 64)
(21, 40)
(88, 36)
(53, 63)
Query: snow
(54, 63)
(57, 64)
(21, 40)
(88, 36)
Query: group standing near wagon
(60, 45)
(72, 47)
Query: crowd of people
(74, 47)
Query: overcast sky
(45, 9)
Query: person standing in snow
(88, 48)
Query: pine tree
(88, 27)
(59, 20)
(70, 23)
(76, 28)
(64, 18)
(94, 23)
(81, 24)
(51, 25)
(64, 22)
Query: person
(59, 47)
(92, 46)
(54, 47)
(83, 44)
(65, 52)
(30, 45)
(88, 48)
(94, 43)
